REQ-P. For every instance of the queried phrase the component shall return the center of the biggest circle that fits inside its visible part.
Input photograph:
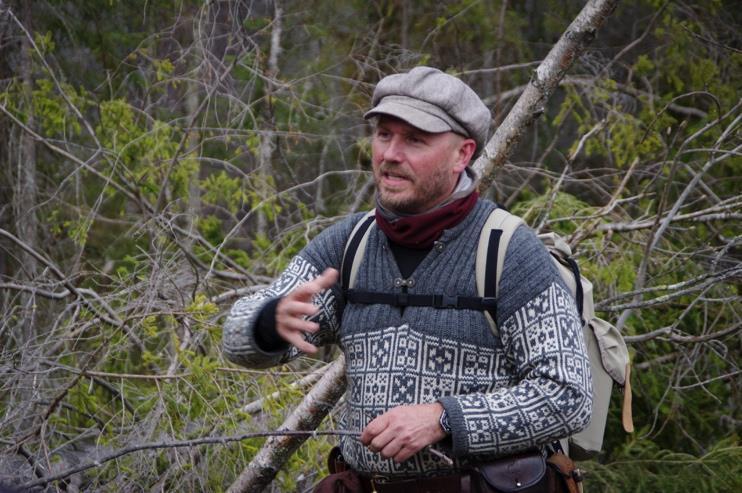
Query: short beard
(435, 187)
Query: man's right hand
(291, 311)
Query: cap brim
(408, 113)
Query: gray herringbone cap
(433, 101)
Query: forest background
(160, 159)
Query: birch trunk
(307, 416)
(268, 139)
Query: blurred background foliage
(160, 159)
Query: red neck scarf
(420, 231)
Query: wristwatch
(443, 420)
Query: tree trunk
(193, 210)
(268, 136)
(24, 198)
(307, 416)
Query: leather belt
(458, 483)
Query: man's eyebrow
(410, 132)
(416, 132)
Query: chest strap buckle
(445, 301)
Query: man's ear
(464, 152)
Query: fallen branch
(668, 331)
(110, 317)
(183, 443)
(694, 217)
(664, 287)
(661, 300)
(256, 406)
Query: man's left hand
(404, 430)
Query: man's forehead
(388, 121)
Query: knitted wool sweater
(526, 387)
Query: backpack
(607, 351)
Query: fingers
(291, 324)
(385, 444)
(289, 313)
(390, 445)
(403, 431)
(324, 281)
(328, 278)
(379, 437)
(297, 339)
(292, 311)
(373, 429)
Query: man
(420, 376)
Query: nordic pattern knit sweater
(526, 387)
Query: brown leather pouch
(567, 477)
(335, 461)
(520, 473)
(342, 479)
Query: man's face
(415, 170)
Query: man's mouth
(394, 176)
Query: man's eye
(415, 140)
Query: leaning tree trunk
(307, 416)
(263, 468)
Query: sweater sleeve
(240, 340)
(541, 334)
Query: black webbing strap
(350, 252)
(433, 300)
(578, 284)
(490, 270)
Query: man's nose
(393, 151)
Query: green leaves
(221, 189)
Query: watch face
(444, 422)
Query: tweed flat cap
(433, 101)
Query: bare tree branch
(220, 440)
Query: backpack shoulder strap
(356, 242)
(494, 239)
